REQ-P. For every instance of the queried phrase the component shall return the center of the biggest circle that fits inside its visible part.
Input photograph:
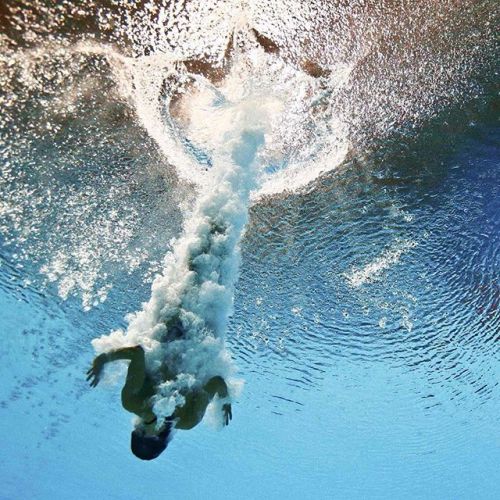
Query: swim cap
(149, 447)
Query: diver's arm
(217, 385)
(123, 353)
(135, 353)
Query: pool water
(365, 327)
(366, 319)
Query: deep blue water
(366, 328)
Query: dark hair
(149, 447)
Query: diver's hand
(94, 373)
(228, 414)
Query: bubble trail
(184, 322)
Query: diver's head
(149, 446)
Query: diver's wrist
(104, 357)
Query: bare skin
(139, 388)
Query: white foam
(303, 141)
(197, 283)
(254, 118)
(372, 271)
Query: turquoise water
(366, 309)
(386, 389)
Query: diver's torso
(187, 416)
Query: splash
(92, 163)
(372, 271)
(306, 138)
(236, 130)
(183, 324)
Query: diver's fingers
(90, 375)
(93, 379)
(90, 370)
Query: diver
(150, 437)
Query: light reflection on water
(375, 387)
(415, 346)
(366, 316)
(426, 247)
